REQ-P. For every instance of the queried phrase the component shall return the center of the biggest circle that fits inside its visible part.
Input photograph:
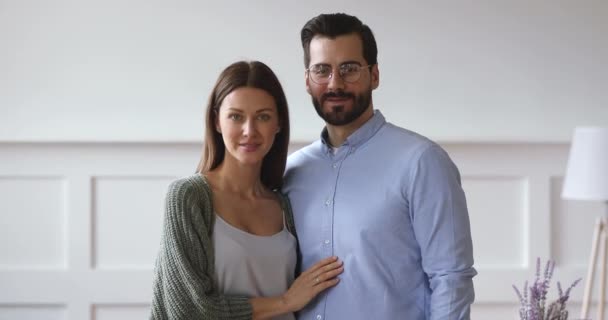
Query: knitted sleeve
(286, 206)
(183, 280)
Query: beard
(337, 116)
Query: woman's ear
(217, 121)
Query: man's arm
(441, 225)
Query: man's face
(340, 102)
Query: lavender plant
(533, 306)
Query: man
(387, 201)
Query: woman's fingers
(326, 268)
(324, 285)
(321, 264)
(328, 274)
(331, 266)
(311, 282)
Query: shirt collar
(361, 135)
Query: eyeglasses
(349, 72)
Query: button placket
(326, 239)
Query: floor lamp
(587, 179)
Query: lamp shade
(587, 171)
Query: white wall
(454, 70)
(80, 224)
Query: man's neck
(338, 134)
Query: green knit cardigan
(184, 286)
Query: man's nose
(335, 81)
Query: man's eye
(321, 71)
(349, 68)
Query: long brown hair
(252, 74)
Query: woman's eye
(264, 117)
(235, 117)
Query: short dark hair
(251, 74)
(339, 24)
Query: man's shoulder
(301, 162)
(304, 154)
(420, 149)
(404, 140)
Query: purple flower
(533, 305)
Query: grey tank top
(252, 265)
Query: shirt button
(327, 202)
(335, 165)
(319, 317)
(326, 241)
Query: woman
(229, 245)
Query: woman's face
(248, 121)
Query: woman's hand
(311, 282)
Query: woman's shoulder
(286, 207)
(188, 185)
(282, 198)
(189, 198)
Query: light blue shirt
(388, 203)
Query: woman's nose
(249, 128)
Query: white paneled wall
(80, 224)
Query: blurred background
(101, 107)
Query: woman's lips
(250, 147)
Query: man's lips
(337, 97)
(336, 100)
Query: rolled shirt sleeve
(441, 225)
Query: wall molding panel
(80, 224)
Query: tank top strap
(284, 219)
(281, 199)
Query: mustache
(337, 94)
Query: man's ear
(375, 76)
(306, 79)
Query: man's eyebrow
(321, 64)
(351, 62)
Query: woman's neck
(237, 178)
